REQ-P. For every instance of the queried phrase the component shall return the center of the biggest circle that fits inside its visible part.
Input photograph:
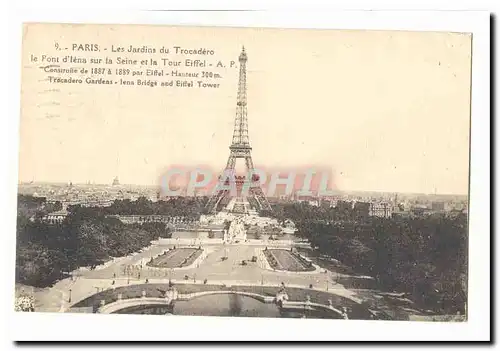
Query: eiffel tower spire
(240, 134)
(240, 148)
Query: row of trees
(425, 257)
(86, 238)
(190, 207)
(305, 211)
(37, 206)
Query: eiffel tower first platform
(240, 147)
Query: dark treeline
(190, 207)
(425, 257)
(85, 238)
(37, 206)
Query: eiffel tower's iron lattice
(240, 148)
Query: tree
(92, 247)
(35, 266)
(424, 256)
(87, 237)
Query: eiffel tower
(240, 148)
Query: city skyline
(151, 186)
(394, 120)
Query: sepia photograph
(271, 173)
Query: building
(437, 206)
(419, 211)
(381, 209)
(314, 203)
(55, 217)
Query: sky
(385, 111)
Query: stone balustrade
(281, 299)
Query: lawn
(176, 258)
(285, 260)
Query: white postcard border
(40, 326)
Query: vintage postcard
(244, 172)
